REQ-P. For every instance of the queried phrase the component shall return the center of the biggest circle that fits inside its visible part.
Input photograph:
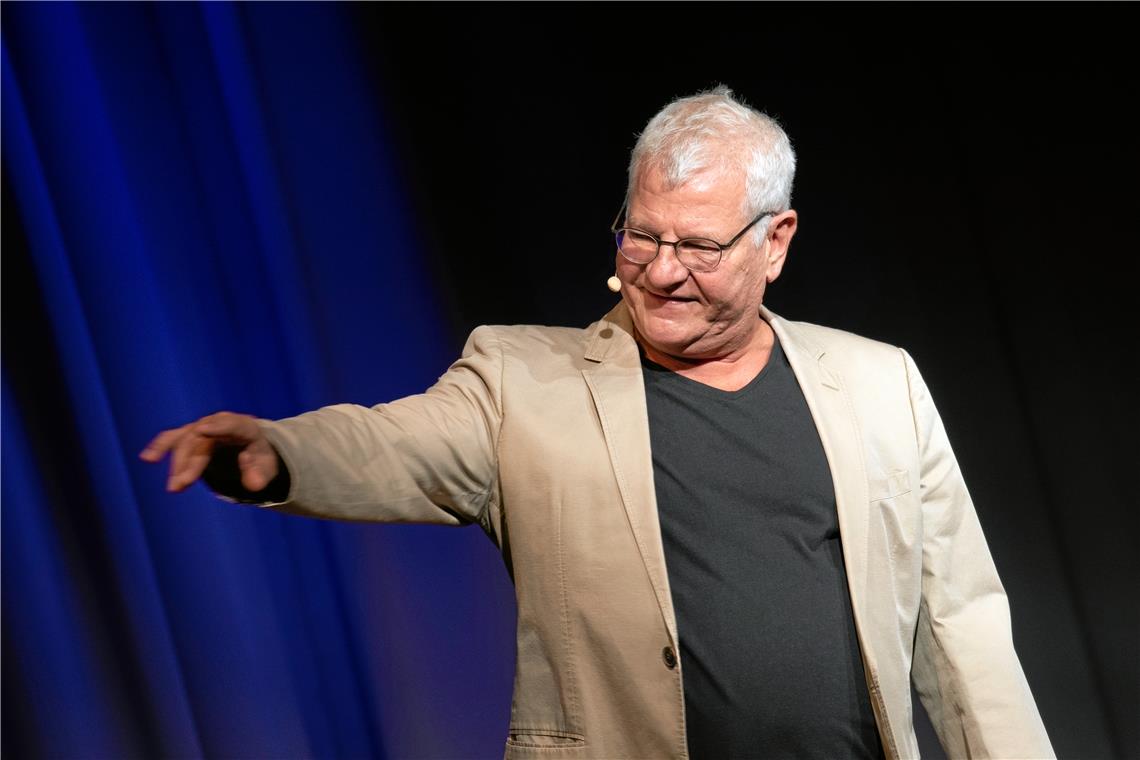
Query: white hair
(713, 129)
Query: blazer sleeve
(965, 671)
(428, 458)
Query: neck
(728, 372)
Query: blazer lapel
(617, 386)
(827, 398)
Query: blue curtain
(203, 211)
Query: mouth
(658, 298)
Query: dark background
(966, 189)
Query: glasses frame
(723, 246)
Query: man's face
(700, 315)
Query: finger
(235, 428)
(195, 464)
(187, 460)
(161, 443)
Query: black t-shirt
(769, 655)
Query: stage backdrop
(268, 208)
(201, 212)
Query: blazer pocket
(540, 738)
(896, 483)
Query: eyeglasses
(696, 254)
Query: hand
(192, 445)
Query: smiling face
(700, 316)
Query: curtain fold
(203, 213)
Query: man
(692, 485)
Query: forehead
(711, 196)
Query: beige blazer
(540, 436)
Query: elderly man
(730, 534)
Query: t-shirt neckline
(696, 386)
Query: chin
(666, 336)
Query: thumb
(257, 469)
(254, 478)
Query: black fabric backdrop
(966, 189)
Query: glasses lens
(636, 245)
(698, 254)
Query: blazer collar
(612, 336)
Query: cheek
(739, 291)
(753, 277)
(630, 275)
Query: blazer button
(669, 657)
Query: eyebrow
(703, 236)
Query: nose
(665, 272)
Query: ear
(780, 232)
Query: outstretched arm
(431, 457)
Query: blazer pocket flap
(537, 737)
(895, 483)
